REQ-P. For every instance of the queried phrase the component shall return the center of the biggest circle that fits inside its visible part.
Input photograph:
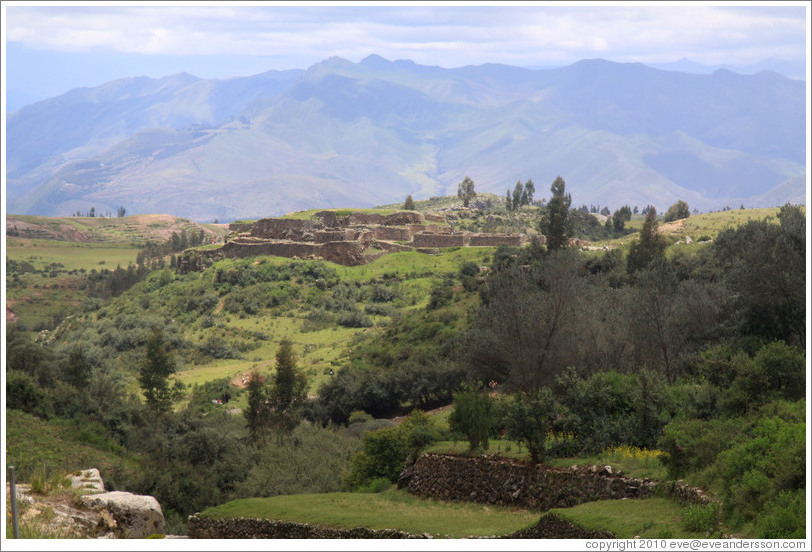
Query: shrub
(528, 419)
(784, 517)
(692, 445)
(384, 452)
(766, 461)
(700, 517)
(471, 416)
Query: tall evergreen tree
(517, 196)
(508, 201)
(288, 391)
(408, 205)
(153, 376)
(258, 412)
(651, 245)
(555, 224)
(529, 189)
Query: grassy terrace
(391, 509)
(652, 518)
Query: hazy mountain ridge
(371, 133)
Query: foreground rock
(133, 516)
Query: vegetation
(673, 361)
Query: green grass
(310, 213)
(391, 509)
(72, 255)
(653, 518)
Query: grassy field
(391, 509)
(653, 518)
(72, 255)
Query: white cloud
(449, 36)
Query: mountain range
(362, 134)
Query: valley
(644, 364)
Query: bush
(763, 463)
(528, 418)
(384, 452)
(692, 445)
(700, 518)
(471, 416)
(784, 517)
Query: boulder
(88, 480)
(136, 516)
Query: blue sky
(50, 49)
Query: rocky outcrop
(506, 482)
(133, 516)
(252, 528)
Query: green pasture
(652, 518)
(391, 509)
(74, 256)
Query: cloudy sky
(52, 48)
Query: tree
(471, 416)
(508, 201)
(525, 332)
(529, 189)
(154, 371)
(651, 245)
(257, 413)
(518, 190)
(288, 391)
(465, 191)
(92, 212)
(528, 418)
(121, 212)
(408, 205)
(677, 211)
(555, 224)
(621, 217)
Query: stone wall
(251, 528)
(439, 240)
(505, 482)
(493, 240)
(240, 226)
(392, 233)
(550, 526)
(348, 253)
(324, 236)
(285, 229)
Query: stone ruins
(350, 239)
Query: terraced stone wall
(506, 482)
(439, 240)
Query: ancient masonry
(348, 238)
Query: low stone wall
(493, 240)
(240, 226)
(505, 482)
(348, 253)
(392, 233)
(250, 528)
(285, 229)
(439, 240)
(550, 526)
(324, 236)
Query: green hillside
(634, 340)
